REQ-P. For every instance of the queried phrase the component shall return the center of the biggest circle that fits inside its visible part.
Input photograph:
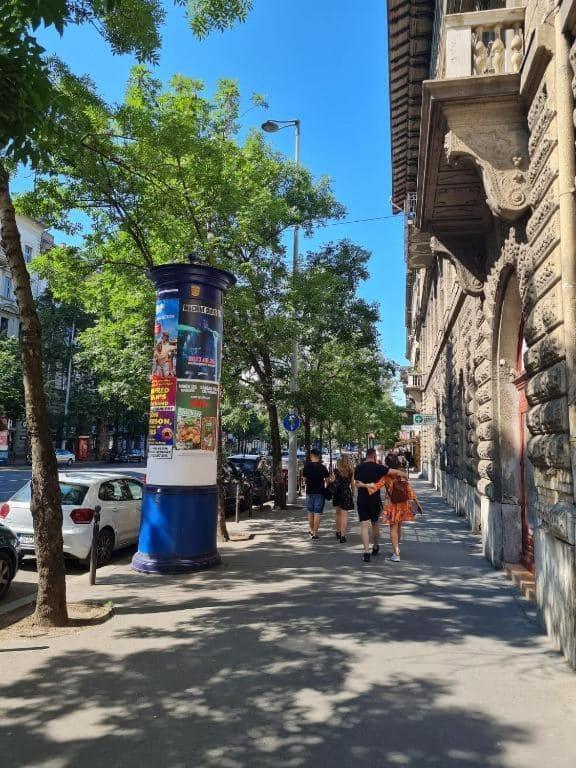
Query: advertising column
(179, 510)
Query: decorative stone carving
(483, 395)
(486, 450)
(539, 218)
(547, 385)
(484, 431)
(485, 487)
(551, 417)
(539, 103)
(541, 281)
(467, 263)
(506, 188)
(550, 451)
(540, 158)
(483, 373)
(546, 315)
(485, 412)
(540, 187)
(543, 122)
(545, 352)
(560, 520)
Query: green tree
(163, 174)
(11, 388)
(31, 110)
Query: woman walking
(398, 506)
(343, 499)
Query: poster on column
(196, 416)
(199, 340)
(163, 388)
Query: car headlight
(16, 543)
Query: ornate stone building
(484, 166)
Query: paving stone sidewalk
(296, 654)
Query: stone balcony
(474, 135)
(481, 43)
(413, 386)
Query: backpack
(398, 492)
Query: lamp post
(273, 126)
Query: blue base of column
(178, 530)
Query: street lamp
(273, 126)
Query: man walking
(370, 505)
(315, 474)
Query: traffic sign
(291, 422)
(424, 419)
(410, 427)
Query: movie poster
(165, 338)
(163, 388)
(199, 340)
(196, 416)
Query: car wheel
(70, 462)
(104, 547)
(6, 573)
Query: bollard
(94, 550)
(237, 501)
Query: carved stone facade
(491, 313)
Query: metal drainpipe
(566, 178)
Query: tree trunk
(330, 446)
(222, 528)
(276, 451)
(307, 435)
(45, 504)
(101, 439)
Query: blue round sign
(291, 422)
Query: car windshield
(71, 493)
(246, 465)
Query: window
(3, 326)
(114, 490)
(71, 494)
(27, 254)
(7, 287)
(135, 489)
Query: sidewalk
(295, 654)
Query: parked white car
(65, 457)
(118, 496)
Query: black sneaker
(366, 557)
(315, 536)
(342, 539)
(338, 535)
(375, 549)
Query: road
(12, 478)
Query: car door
(135, 489)
(113, 497)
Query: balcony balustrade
(481, 43)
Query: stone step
(523, 579)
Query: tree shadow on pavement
(292, 655)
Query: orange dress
(396, 513)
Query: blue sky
(323, 61)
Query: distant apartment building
(484, 164)
(35, 239)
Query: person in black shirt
(315, 474)
(370, 506)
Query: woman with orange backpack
(398, 505)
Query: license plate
(26, 538)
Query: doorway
(513, 471)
